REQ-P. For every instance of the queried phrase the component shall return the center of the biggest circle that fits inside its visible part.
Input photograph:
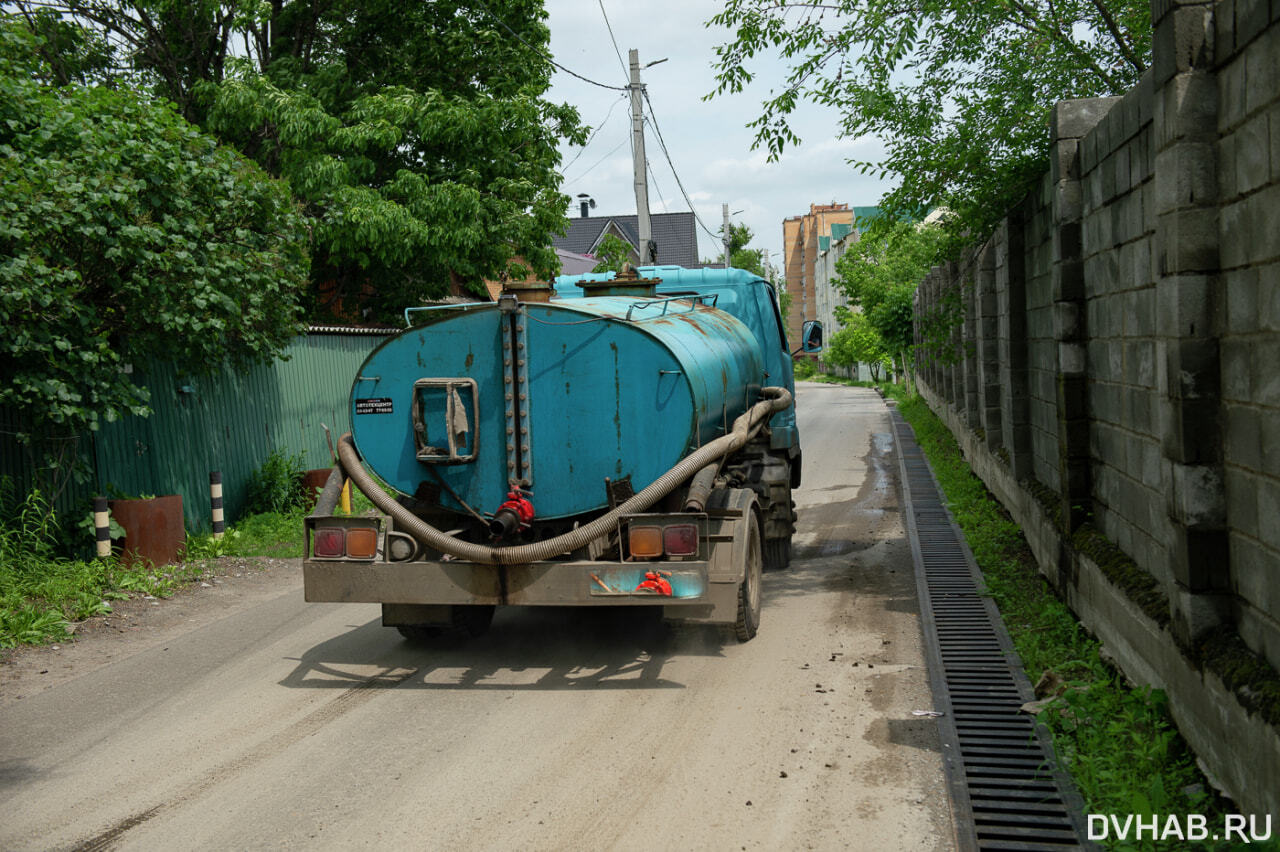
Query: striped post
(215, 502)
(101, 526)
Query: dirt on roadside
(141, 622)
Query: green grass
(1118, 742)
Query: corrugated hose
(747, 424)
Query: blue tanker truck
(620, 440)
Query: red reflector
(680, 540)
(329, 542)
(362, 543)
(645, 542)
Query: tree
(415, 135)
(879, 274)
(741, 257)
(613, 254)
(958, 91)
(126, 236)
(857, 341)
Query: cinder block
(1183, 41)
(1269, 439)
(1186, 175)
(1187, 110)
(1140, 305)
(1198, 495)
(1268, 289)
(1188, 240)
(1233, 235)
(1252, 18)
(1075, 118)
(1268, 511)
(1224, 24)
(1266, 376)
(1263, 224)
(1139, 411)
(1253, 570)
(1226, 170)
(1152, 466)
(1242, 446)
(1242, 504)
(1252, 153)
(1139, 157)
(1237, 369)
(1232, 94)
(1244, 312)
(1273, 140)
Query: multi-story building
(827, 296)
(799, 258)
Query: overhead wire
(653, 120)
(545, 55)
(609, 27)
(597, 129)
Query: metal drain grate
(1005, 788)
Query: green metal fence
(229, 422)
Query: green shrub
(276, 486)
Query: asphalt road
(261, 721)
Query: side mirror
(811, 336)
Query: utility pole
(647, 253)
(724, 208)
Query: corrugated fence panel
(228, 422)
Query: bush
(276, 486)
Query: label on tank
(373, 405)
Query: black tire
(749, 592)
(465, 622)
(777, 554)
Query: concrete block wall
(1118, 385)
(1248, 171)
(1116, 166)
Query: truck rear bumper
(536, 584)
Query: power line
(597, 129)
(653, 119)
(609, 27)
(546, 55)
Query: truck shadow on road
(550, 648)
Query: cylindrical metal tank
(555, 397)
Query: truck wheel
(777, 553)
(465, 622)
(749, 591)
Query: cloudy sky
(709, 142)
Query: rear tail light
(655, 539)
(330, 542)
(362, 543)
(680, 540)
(353, 542)
(646, 542)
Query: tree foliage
(127, 236)
(415, 135)
(741, 257)
(613, 253)
(958, 91)
(857, 341)
(879, 274)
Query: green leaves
(958, 91)
(128, 236)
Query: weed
(276, 486)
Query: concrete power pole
(724, 208)
(648, 255)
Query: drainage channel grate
(1005, 788)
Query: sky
(709, 142)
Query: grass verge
(1118, 742)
